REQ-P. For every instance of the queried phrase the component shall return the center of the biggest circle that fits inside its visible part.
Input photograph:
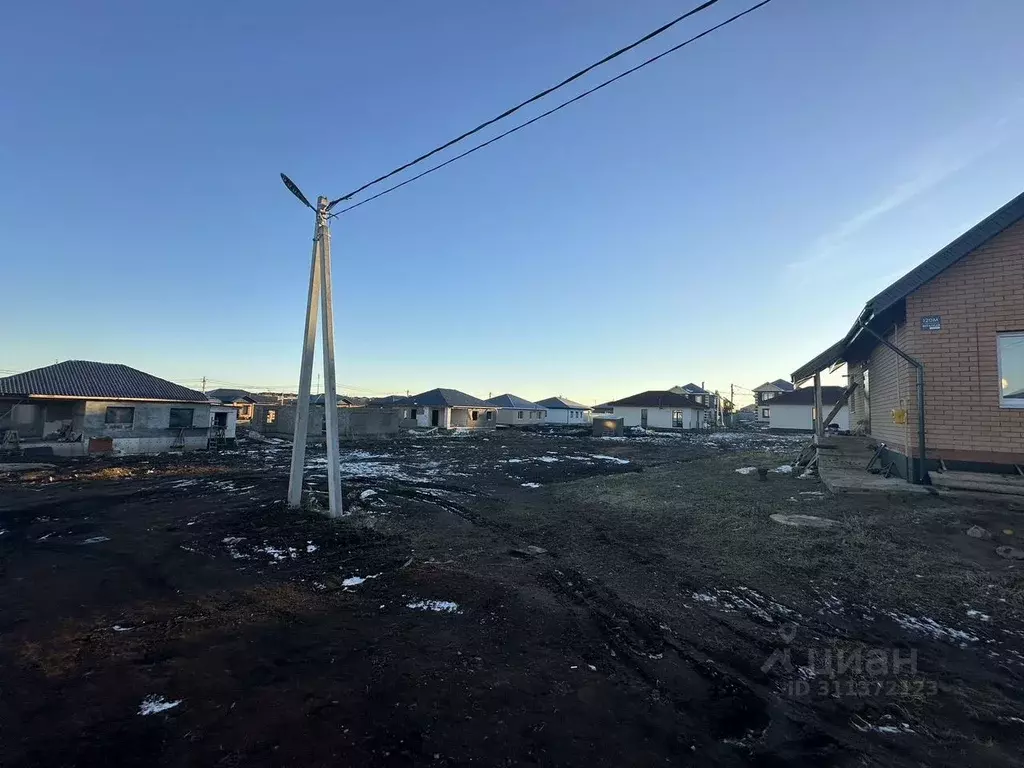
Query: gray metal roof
(86, 379)
(230, 395)
(561, 402)
(826, 359)
(694, 389)
(445, 398)
(656, 398)
(805, 396)
(885, 306)
(969, 241)
(513, 401)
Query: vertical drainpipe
(922, 472)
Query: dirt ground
(509, 599)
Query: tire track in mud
(719, 705)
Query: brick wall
(976, 298)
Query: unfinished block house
(936, 360)
(79, 407)
(447, 409)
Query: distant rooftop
(87, 379)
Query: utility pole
(320, 293)
(204, 385)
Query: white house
(446, 409)
(764, 394)
(517, 411)
(795, 410)
(562, 411)
(710, 400)
(658, 409)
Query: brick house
(958, 319)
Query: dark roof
(785, 386)
(969, 241)
(339, 399)
(887, 307)
(444, 398)
(86, 379)
(656, 398)
(805, 396)
(561, 402)
(512, 401)
(386, 400)
(268, 398)
(693, 389)
(230, 395)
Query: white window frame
(1011, 403)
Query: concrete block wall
(283, 424)
(368, 422)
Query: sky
(718, 217)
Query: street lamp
(319, 294)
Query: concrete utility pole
(320, 293)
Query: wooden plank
(842, 401)
(982, 477)
(941, 481)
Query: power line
(541, 116)
(517, 107)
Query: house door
(435, 417)
(643, 418)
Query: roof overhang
(105, 398)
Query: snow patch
(152, 705)
(746, 470)
(613, 459)
(96, 539)
(440, 606)
(530, 485)
(929, 626)
(355, 581)
(369, 493)
(785, 469)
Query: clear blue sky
(718, 217)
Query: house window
(677, 418)
(118, 415)
(520, 414)
(543, 414)
(1010, 348)
(181, 418)
(490, 414)
(271, 416)
(474, 415)
(765, 412)
(413, 413)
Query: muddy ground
(169, 611)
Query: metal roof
(561, 402)
(805, 396)
(230, 395)
(445, 398)
(657, 398)
(826, 359)
(513, 401)
(86, 379)
(969, 241)
(885, 307)
(694, 389)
